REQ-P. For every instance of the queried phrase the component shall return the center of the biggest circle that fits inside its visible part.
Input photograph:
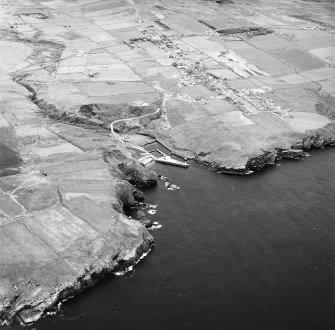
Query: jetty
(165, 159)
(147, 158)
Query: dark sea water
(254, 252)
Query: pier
(148, 158)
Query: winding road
(134, 118)
(129, 119)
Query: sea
(233, 253)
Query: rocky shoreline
(48, 304)
(317, 140)
(29, 291)
(321, 138)
(63, 189)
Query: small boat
(165, 159)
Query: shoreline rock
(62, 225)
(30, 314)
(297, 151)
(141, 218)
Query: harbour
(233, 252)
(147, 158)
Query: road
(134, 118)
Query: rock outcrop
(141, 217)
(137, 174)
(62, 225)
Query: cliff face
(62, 192)
(297, 148)
(47, 267)
(233, 94)
(62, 226)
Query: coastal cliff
(318, 139)
(63, 187)
(62, 225)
